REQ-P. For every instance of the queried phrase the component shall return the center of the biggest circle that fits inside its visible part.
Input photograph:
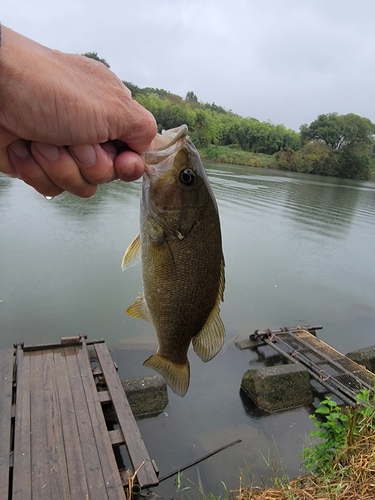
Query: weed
(338, 429)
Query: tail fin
(176, 376)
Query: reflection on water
(321, 206)
(298, 250)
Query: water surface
(298, 250)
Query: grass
(235, 156)
(352, 478)
(341, 462)
(344, 468)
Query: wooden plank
(58, 483)
(22, 433)
(94, 474)
(117, 437)
(41, 347)
(49, 470)
(6, 384)
(75, 462)
(134, 443)
(104, 396)
(115, 490)
(37, 425)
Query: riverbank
(352, 477)
(303, 162)
(235, 156)
(341, 462)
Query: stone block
(147, 396)
(365, 357)
(279, 387)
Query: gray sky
(286, 61)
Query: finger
(27, 168)
(143, 129)
(95, 161)
(129, 166)
(62, 169)
(7, 138)
(5, 164)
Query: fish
(180, 247)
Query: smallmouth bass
(180, 248)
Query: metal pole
(324, 383)
(196, 462)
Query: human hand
(66, 121)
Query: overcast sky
(286, 61)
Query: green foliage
(333, 144)
(338, 429)
(339, 145)
(341, 132)
(332, 431)
(233, 155)
(94, 55)
(312, 158)
(354, 166)
(191, 97)
(212, 124)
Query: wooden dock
(54, 441)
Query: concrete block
(146, 395)
(279, 387)
(365, 357)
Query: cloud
(284, 61)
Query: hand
(66, 121)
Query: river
(299, 250)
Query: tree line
(333, 144)
(212, 124)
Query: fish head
(175, 185)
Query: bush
(354, 166)
(338, 431)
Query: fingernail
(50, 152)
(20, 149)
(85, 154)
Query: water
(298, 250)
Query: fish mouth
(168, 143)
(169, 137)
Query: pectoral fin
(176, 376)
(132, 254)
(139, 309)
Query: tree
(350, 137)
(94, 55)
(341, 132)
(354, 166)
(191, 97)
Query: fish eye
(187, 176)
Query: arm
(60, 115)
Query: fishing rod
(196, 462)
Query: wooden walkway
(54, 441)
